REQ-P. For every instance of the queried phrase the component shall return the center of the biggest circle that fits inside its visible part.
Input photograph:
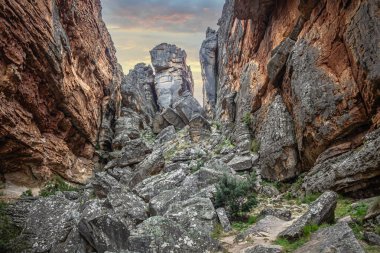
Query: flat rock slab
(223, 219)
(338, 238)
(264, 249)
(241, 163)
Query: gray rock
(118, 173)
(320, 211)
(137, 90)
(176, 166)
(195, 214)
(276, 136)
(159, 123)
(278, 59)
(151, 165)
(173, 76)
(200, 128)
(337, 238)
(241, 163)
(269, 191)
(349, 171)
(159, 234)
(372, 238)
(167, 134)
(207, 56)
(102, 184)
(264, 249)
(188, 107)
(283, 214)
(102, 229)
(266, 225)
(223, 219)
(49, 224)
(173, 118)
(134, 152)
(154, 185)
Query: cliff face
(59, 89)
(301, 79)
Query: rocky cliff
(59, 90)
(300, 79)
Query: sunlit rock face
(300, 79)
(172, 76)
(59, 89)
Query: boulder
(337, 238)
(223, 219)
(102, 184)
(371, 238)
(159, 234)
(320, 211)
(200, 128)
(173, 118)
(188, 108)
(167, 134)
(241, 163)
(195, 214)
(154, 185)
(159, 123)
(134, 152)
(151, 165)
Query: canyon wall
(59, 89)
(301, 80)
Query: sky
(137, 26)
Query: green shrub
(247, 118)
(217, 232)
(377, 229)
(236, 196)
(8, 233)
(255, 146)
(56, 185)
(27, 193)
(309, 198)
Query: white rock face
(173, 76)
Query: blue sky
(137, 26)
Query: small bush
(27, 193)
(255, 146)
(236, 196)
(56, 185)
(247, 119)
(217, 232)
(8, 232)
(308, 198)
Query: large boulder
(133, 152)
(320, 211)
(188, 107)
(241, 163)
(349, 171)
(337, 238)
(200, 128)
(159, 234)
(173, 118)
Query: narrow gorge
(283, 155)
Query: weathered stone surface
(58, 95)
(102, 229)
(275, 135)
(103, 183)
(241, 163)
(154, 185)
(278, 59)
(159, 234)
(223, 219)
(173, 118)
(338, 238)
(372, 238)
(167, 134)
(283, 214)
(200, 128)
(188, 107)
(207, 56)
(159, 123)
(348, 172)
(134, 152)
(264, 249)
(321, 210)
(173, 76)
(151, 165)
(195, 214)
(137, 90)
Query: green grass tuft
(217, 232)
(56, 185)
